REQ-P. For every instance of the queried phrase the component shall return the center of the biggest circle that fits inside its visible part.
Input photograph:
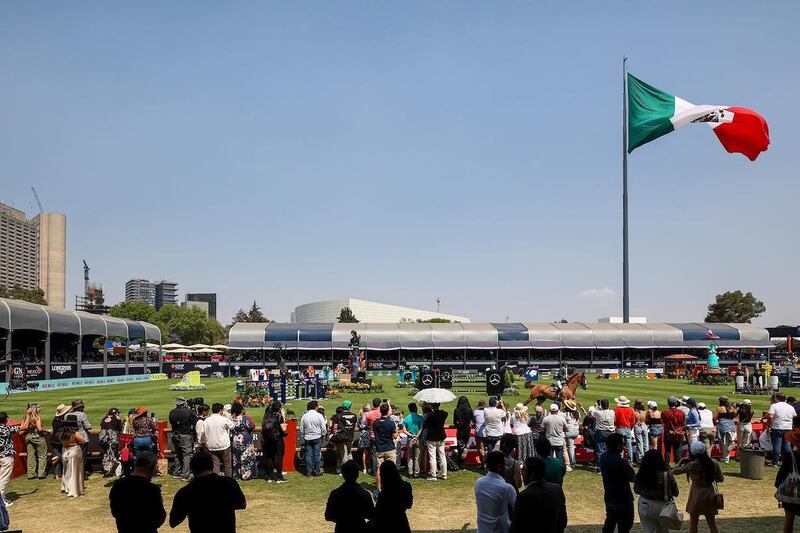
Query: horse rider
(561, 375)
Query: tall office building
(210, 298)
(140, 290)
(33, 252)
(166, 293)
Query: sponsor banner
(382, 365)
(532, 373)
(35, 371)
(63, 370)
(157, 377)
(177, 370)
(53, 384)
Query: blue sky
(400, 152)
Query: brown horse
(541, 392)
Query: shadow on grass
(728, 525)
(14, 495)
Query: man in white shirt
(494, 418)
(313, 427)
(199, 428)
(780, 416)
(494, 496)
(216, 430)
(707, 429)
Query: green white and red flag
(653, 113)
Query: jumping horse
(541, 392)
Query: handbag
(669, 515)
(163, 466)
(719, 499)
(788, 490)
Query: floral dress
(245, 465)
(110, 429)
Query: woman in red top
(625, 420)
(674, 423)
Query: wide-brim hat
(78, 403)
(520, 408)
(141, 410)
(62, 409)
(793, 437)
(622, 400)
(571, 405)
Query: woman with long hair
(35, 442)
(650, 482)
(395, 498)
(704, 473)
(744, 418)
(654, 428)
(273, 431)
(110, 430)
(462, 419)
(522, 432)
(724, 416)
(573, 418)
(55, 442)
(364, 441)
(72, 457)
(640, 430)
(243, 450)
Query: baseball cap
(347, 404)
(651, 404)
(697, 448)
(553, 407)
(746, 401)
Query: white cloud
(596, 294)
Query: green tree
(346, 316)
(136, 310)
(253, 315)
(434, 321)
(735, 306)
(34, 296)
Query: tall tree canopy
(177, 324)
(253, 315)
(346, 316)
(735, 306)
(34, 296)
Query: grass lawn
(442, 506)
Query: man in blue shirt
(412, 425)
(385, 432)
(617, 478)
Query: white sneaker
(9, 504)
(569, 468)
(432, 478)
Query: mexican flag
(653, 113)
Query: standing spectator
(83, 426)
(36, 443)
(541, 505)
(462, 419)
(210, 501)
(110, 430)
(508, 445)
(555, 427)
(640, 430)
(71, 440)
(617, 477)
(653, 482)
(313, 427)
(397, 418)
(183, 421)
(604, 420)
(522, 432)
(779, 418)
(535, 423)
(790, 510)
(412, 426)
(726, 427)
(364, 440)
(674, 423)
(55, 442)
(744, 431)
(244, 463)
(693, 424)
(707, 429)
(434, 440)
(494, 497)
(654, 428)
(394, 499)
(148, 513)
(494, 416)
(704, 473)
(385, 432)
(480, 431)
(145, 431)
(199, 428)
(371, 416)
(555, 470)
(625, 421)
(273, 431)
(342, 433)
(573, 432)
(349, 506)
(216, 431)
(7, 454)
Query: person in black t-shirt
(434, 439)
(349, 506)
(209, 500)
(385, 432)
(136, 503)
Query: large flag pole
(626, 314)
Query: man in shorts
(385, 433)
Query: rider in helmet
(561, 375)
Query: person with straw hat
(625, 421)
(523, 433)
(55, 442)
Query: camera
(194, 403)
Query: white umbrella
(172, 345)
(206, 350)
(179, 350)
(219, 346)
(195, 346)
(434, 396)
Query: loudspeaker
(494, 382)
(426, 379)
(446, 378)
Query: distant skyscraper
(140, 290)
(166, 293)
(208, 297)
(33, 252)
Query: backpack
(788, 490)
(345, 428)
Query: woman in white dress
(72, 458)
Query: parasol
(680, 357)
(434, 396)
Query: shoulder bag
(719, 499)
(669, 516)
(788, 490)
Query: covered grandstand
(479, 344)
(58, 343)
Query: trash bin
(751, 462)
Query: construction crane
(85, 278)
(38, 202)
